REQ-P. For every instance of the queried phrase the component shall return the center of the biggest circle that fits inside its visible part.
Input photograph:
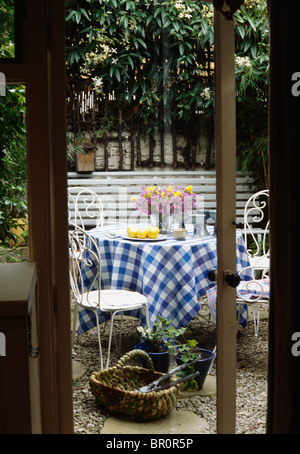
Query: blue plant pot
(201, 366)
(161, 360)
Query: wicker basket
(116, 387)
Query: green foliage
(189, 351)
(150, 53)
(13, 161)
(162, 336)
(75, 146)
(7, 38)
(153, 54)
(252, 76)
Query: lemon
(153, 232)
(132, 232)
(142, 233)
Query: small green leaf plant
(189, 350)
(164, 337)
(161, 337)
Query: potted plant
(158, 342)
(163, 340)
(187, 351)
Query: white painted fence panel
(116, 188)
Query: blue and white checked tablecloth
(172, 274)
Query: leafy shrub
(13, 162)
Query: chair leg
(120, 334)
(104, 326)
(147, 315)
(75, 316)
(112, 331)
(103, 331)
(239, 313)
(99, 341)
(110, 338)
(256, 320)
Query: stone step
(176, 422)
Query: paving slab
(78, 370)
(176, 422)
(209, 388)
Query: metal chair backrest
(256, 225)
(85, 207)
(85, 267)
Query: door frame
(42, 69)
(226, 216)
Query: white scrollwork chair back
(85, 208)
(256, 228)
(256, 291)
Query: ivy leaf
(191, 385)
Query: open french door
(226, 213)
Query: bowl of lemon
(144, 233)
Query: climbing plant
(157, 57)
(13, 161)
(252, 77)
(151, 54)
(13, 157)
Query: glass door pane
(7, 29)
(13, 176)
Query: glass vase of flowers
(161, 204)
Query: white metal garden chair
(85, 207)
(256, 229)
(84, 254)
(256, 292)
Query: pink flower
(173, 199)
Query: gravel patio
(251, 400)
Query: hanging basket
(116, 389)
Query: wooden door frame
(42, 69)
(226, 216)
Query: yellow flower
(169, 188)
(177, 193)
(133, 198)
(189, 189)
